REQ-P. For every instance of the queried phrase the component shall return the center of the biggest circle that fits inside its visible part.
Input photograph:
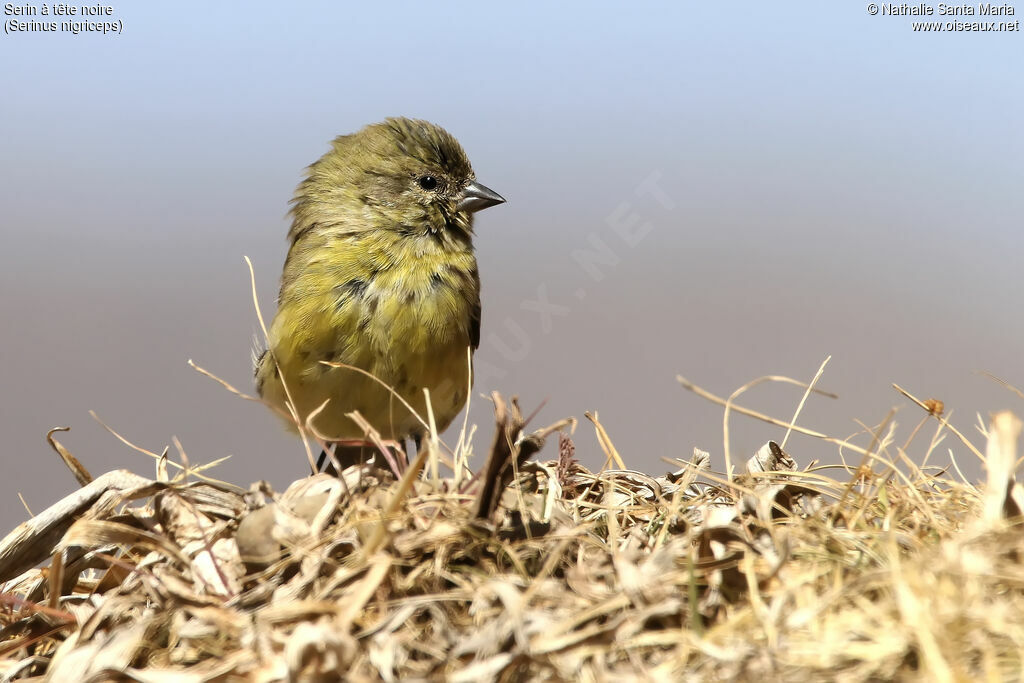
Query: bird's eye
(428, 182)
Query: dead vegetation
(879, 569)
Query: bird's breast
(404, 311)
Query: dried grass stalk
(542, 571)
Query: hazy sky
(797, 180)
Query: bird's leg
(348, 452)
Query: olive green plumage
(381, 276)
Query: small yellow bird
(381, 276)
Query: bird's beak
(476, 197)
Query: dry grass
(878, 570)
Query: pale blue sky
(839, 185)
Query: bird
(380, 291)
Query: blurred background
(692, 190)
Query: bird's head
(402, 174)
